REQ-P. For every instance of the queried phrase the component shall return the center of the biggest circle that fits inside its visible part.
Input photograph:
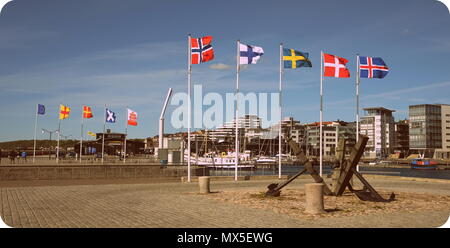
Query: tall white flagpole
(189, 106)
(81, 136)
(59, 134)
(357, 100)
(126, 133)
(103, 138)
(281, 115)
(35, 127)
(236, 119)
(321, 112)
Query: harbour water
(327, 170)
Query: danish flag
(335, 66)
(201, 50)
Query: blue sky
(127, 53)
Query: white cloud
(220, 66)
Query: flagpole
(236, 162)
(357, 101)
(321, 111)
(59, 134)
(35, 127)
(126, 132)
(103, 138)
(281, 115)
(81, 137)
(189, 106)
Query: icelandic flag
(249, 54)
(41, 109)
(110, 116)
(372, 67)
(201, 50)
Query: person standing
(12, 156)
(24, 155)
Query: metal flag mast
(189, 106)
(126, 133)
(35, 127)
(281, 114)
(236, 162)
(81, 136)
(357, 101)
(321, 113)
(103, 138)
(59, 133)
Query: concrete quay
(158, 204)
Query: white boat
(266, 160)
(224, 160)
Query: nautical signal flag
(334, 66)
(201, 50)
(295, 59)
(91, 134)
(110, 116)
(87, 112)
(132, 118)
(372, 67)
(41, 109)
(64, 112)
(249, 54)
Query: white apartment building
(378, 124)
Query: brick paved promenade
(176, 204)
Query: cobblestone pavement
(176, 204)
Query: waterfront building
(113, 145)
(430, 130)
(333, 131)
(378, 125)
(445, 118)
(246, 124)
(401, 141)
(425, 129)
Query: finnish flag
(249, 54)
(110, 116)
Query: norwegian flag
(201, 50)
(335, 66)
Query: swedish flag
(295, 59)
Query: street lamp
(50, 133)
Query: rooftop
(379, 108)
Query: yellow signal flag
(91, 134)
(64, 112)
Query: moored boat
(224, 161)
(423, 164)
